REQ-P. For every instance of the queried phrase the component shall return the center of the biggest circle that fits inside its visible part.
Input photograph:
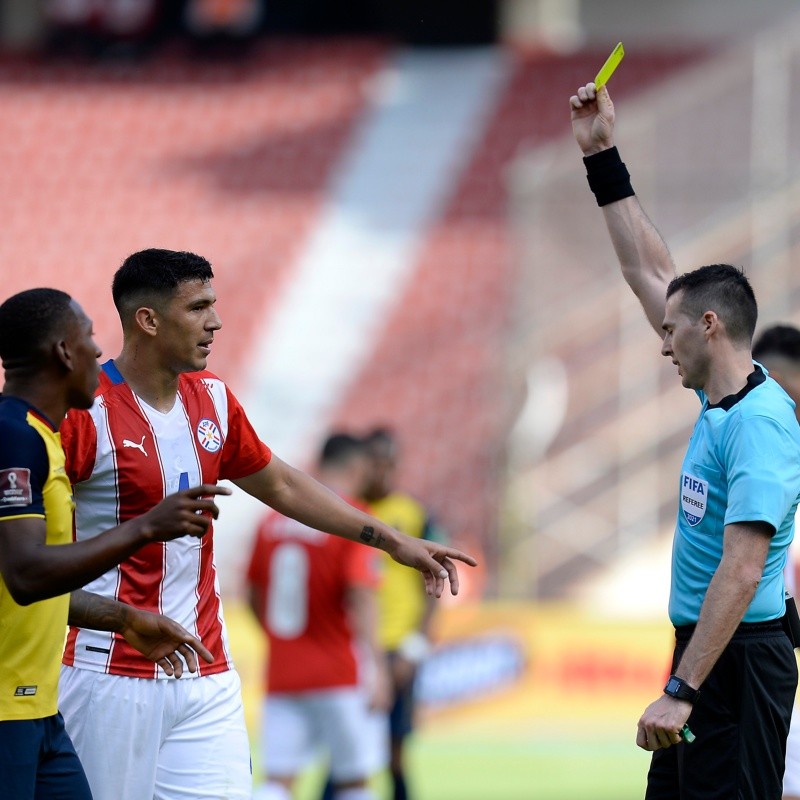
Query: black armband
(608, 176)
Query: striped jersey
(33, 484)
(123, 457)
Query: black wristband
(608, 176)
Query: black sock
(399, 783)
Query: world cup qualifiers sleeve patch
(15, 487)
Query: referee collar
(755, 378)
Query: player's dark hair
(153, 274)
(382, 437)
(778, 340)
(721, 288)
(28, 322)
(340, 448)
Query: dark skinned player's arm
(155, 636)
(33, 570)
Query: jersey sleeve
(244, 453)
(79, 441)
(763, 470)
(24, 467)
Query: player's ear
(711, 322)
(146, 320)
(62, 354)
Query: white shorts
(140, 738)
(791, 777)
(297, 728)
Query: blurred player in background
(405, 611)
(778, 349)
(314, 596)
(50, 365)
(160, 422)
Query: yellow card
(612, 62)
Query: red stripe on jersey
(209, 612)
(78, 427)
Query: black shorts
(38, 760)
(401, 714)
(741, 721)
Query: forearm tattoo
(368, 536)
(88, 610)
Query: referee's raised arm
(643, 255)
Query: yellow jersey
(33, 483)
(401, 596)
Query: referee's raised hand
(592, 119)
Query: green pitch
(534, 768)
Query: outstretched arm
(155, 636)
(297, 495)
(643, 255)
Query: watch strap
(678, 688)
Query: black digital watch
(678, 688)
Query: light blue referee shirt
(742, 465)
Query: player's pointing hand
(433, 560)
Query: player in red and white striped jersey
(123, 457)
(161, 422)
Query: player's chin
(197, 363)
(82, 399)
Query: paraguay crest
(208, 435)
(694, 498)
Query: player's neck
(44, 395)
(154, 384)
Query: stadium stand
(228, 159)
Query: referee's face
(685, 343)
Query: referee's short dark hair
(28, 321)
(721, 288)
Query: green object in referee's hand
(687, 735)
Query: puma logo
(140, 446)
